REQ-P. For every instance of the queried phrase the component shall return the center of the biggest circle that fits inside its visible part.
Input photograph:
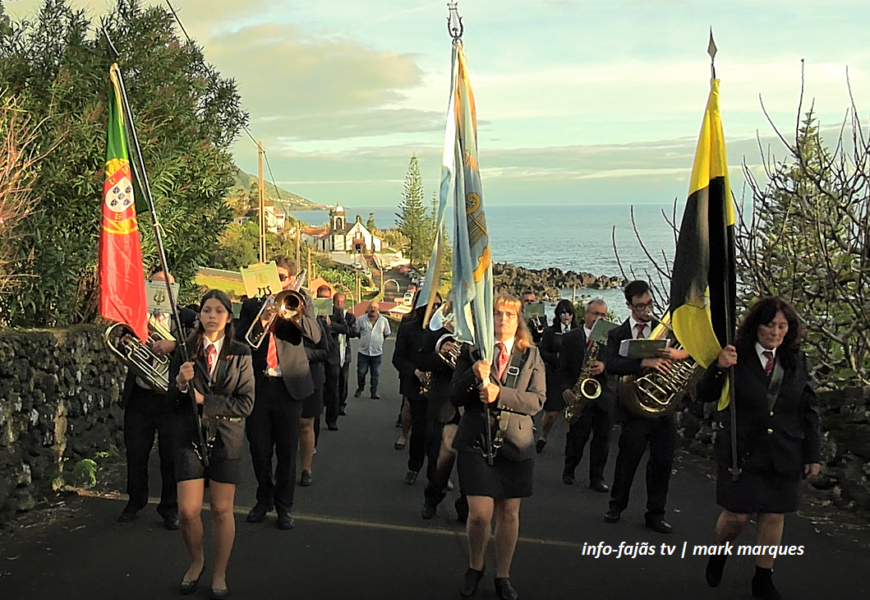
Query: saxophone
(652, 394)
(586, 388)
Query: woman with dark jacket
(221, 379)
(515, 392)
(778, 439)
(551, 345)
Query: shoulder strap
(514, 368)
(774, 385)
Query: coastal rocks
(59, 392)
(547, 283)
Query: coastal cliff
(547, 283)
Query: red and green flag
(122, 281)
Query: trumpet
(288, 305)
(138, 355)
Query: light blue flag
(472, 258)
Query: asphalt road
(359, 535)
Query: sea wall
(547, 283)
(59, 392)
(845, 419)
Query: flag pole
(729, 315)
(140, 173)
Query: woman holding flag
(778, 438)
(514, 391)
(222, 381)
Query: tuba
(138, 355)
(288, 305)
(442, 318)
(653, 394)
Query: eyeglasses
(283, 277)
(644, 306)
(506, 315)
(598, 313)
(565, 314)
(436, 306)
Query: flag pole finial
(711, 50)
(454, 22)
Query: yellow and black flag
(703, 281)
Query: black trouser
(330, 393)
(661, 436)
(148, 413)
(417, 443)
(596, 421)
(343, 380)
(274, 423)
(438, 474)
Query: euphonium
(586, 388)
(288, 305)
(138, 355)
(443, 318)
(653, 394)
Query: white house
(349, 238)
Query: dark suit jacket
(439, 407)
(527, 397)
(537, 326)
(288, 341)
(406, 356)
(782, 440)
(188, 320)
(571, 360)
(318, 354)
(619, 366)
(550, 347)
(337, 326)
(229, 399)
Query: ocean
(576, 237)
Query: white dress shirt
(760, 350)
(647, 328)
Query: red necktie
(640, 327)
(272, 355)
(210, 352)
(502, 360)
(768, 366)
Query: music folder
(600, 330)
(641, 348)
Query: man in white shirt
(373, 330)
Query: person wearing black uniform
(778, 438)
(659, 433)
(516, 391)
(405, 358)
(284, 381)
(345, 354)
(337, 326)
(220, 377)
(596, 417)
(312, 407)
(536, 325)
(551, 344)
(146, 412)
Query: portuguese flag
(122, 281)
(703, 288)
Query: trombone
(288, 305)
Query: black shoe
(428, 511)
(599, 486)
(715, 566)
(411, 477)
(188, 586)
(539, 446)
(399, 421)
(472, 580)
(612, 516)
(461, 511)
(659, 525)
(217, 594)
(258, 513)
(128, 514)
(285, 521)
(170, 523)
(375, 396)
(449, 487)
(762, 585)
(504, 590)
(358, 393)
(568, 479)
(332, 426)
(342, 412)
(305, 479)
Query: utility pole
(298, 244)
(358, 291)
(261, 199)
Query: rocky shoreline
(547, 283)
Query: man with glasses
(536, 325)
(373, 330)
(596, 418)
(659, 433)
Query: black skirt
(220, 470)
(504, 479)
(555, 402)
(768, 492)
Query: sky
(578, 101)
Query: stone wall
(845, 418)
(59, 392)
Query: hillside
(289, 199)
